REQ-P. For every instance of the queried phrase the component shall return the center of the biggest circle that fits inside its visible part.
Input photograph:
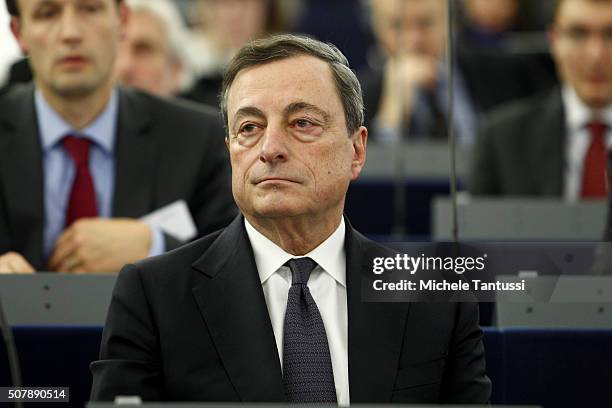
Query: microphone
(11, 351)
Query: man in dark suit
(83, 160)
(406, 86)
(554, 144)
(270, 308)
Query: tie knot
(78, 149)
(300, 270)
(597, 128)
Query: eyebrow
(248, 111)
(45, 2)
(300, 106)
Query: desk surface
(56, 299)
(520, 219)
(418, 160)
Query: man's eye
(143, 49)
(45, 13)
(607, 34)
(248, 129)
(303, 124)
(576, 34)
(91, 7)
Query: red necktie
(594, 171)
(82, 201)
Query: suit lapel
(231, 301)
(375, 330)
(22, 175)
(135, 158)
(546, 151)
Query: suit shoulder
(177, 108)
(369, 247)
(16, 91)
(186, 121)
(11, 96)
(519, 112)
(178, 260)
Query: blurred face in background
(410, 26)
(145, 59)
(581, 43)
(71, 44)
(492, 15)
(233, 23)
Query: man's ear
(15, 25)
(360, 141)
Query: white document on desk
(173, 219)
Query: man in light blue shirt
(58, 170)
(143, 153)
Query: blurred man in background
(406, 89)
(408, 92)
(152, 55)
(78, 151)
(555, 144)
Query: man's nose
(274, 144)
(70, 26)
(412, 39)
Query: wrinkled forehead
(273, 86)
(144, 22)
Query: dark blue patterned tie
(307, 370)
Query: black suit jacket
(165, 151)
(521, 149)
(193, 324)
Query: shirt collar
(578, 114)
(53, 127)
(329, 255)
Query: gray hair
(285, 46)
(167, 13)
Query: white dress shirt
(327, 284)
(578, 115)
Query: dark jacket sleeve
(465, 380)
(129, 331)
(210, 198)
(484, 177)
(213, 204)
